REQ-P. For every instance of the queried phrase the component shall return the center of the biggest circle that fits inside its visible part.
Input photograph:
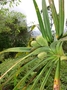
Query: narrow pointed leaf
(55, 17)
(57, 77)
(42, 29)
(61, 17)
(46, 20)
(17, 49)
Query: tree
(46, 52)
(10, 2)
(13, 29)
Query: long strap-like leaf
(46, 20)
(57, 77)
(42, 29)
(55, 17)
(17, 49)
(61, 17)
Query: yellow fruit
(41, 41)
(34, 44)
(42, 55)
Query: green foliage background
(13, 29)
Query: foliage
(10, 2)
(43, 59)
(13, 29)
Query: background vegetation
(13, 29)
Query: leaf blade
(61, 17)
(55, 17)
(42, 29)
(17, 49)
(46, 20)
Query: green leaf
(57, 74)
(61, 17)
(17, 49)
(42, 29)
(55, 17)
(57, 77)
(46, 20)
